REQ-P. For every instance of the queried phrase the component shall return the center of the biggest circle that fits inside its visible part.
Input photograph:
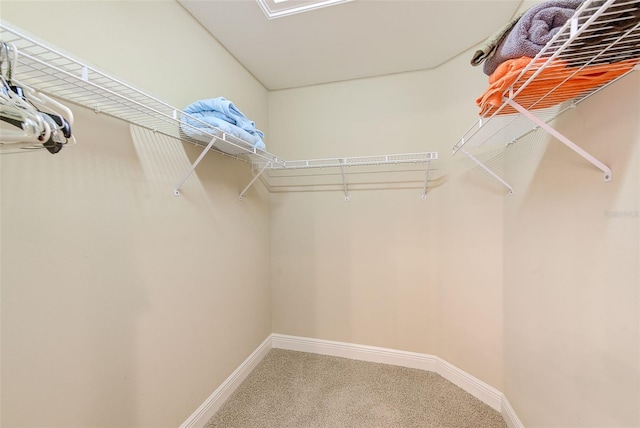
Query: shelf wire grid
(601, 34)
(64, 77)
(405, 158)
(59, 75)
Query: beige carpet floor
(291, 389)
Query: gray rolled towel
(489, 46)
(532, 31)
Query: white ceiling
(361, 38)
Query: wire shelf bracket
(487, 169)
(560, 137)
(264, 168)
(176, 191)
(426, 180)
(344, 184)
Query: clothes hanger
(58, 116)
(27, 123)
(62, 114)
(59, 122)
(20, 106)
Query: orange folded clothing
(556, 83)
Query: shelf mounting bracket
(344, 182)
(544, 125)
(176, 191)
(426, 179)
(264, 168)
(488, 170)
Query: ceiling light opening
(279, 8)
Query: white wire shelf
(357, 161)
(405, 158)
(64, 77)
(58, 74)
(601, 39)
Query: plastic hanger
(27, 124)
(41, 121)
(62, 115)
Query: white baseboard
(474, 386)
(355, 352)
(479, 389)
(509, 414)
(482, 391)
(211, 405)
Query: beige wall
(437, 276)
(388, 268)
(571, 290)
(123, 305)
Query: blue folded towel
(222, 114)
(246, 127)
(532, 31)
(193, 122)
(227, 109)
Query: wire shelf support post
(426, 180)
(344, 180)
(264, 168)
(560, 137)
(176, 191)
(487, 169)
